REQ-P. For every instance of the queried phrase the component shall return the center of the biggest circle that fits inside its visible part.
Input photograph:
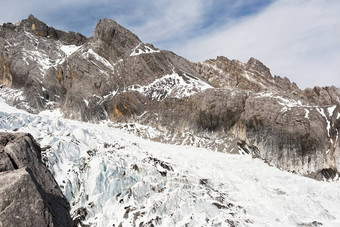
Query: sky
(298, 39)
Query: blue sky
(299, 39)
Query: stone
(30, 195)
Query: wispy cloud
(298, 39)
(167, 23)
(168, 20)
(160, 22)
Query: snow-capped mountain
(124, 88)
(221, 104)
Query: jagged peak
(31, 17)
(255, 62)
(27, 24)
(110, 31)
(41, 29)
(257, 65)
(222, 59)
(37, 27)
(113, 40)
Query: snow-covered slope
(112, 177)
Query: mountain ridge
(220, 104)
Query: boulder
(30, 196)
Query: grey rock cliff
(222, 104)
(29, 194)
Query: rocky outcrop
(39, 28)
(92, 83)
(294, 138)
(323, 95)
(252, 76)
(28, 192)
(112, 41)
(257, 67)
(222, 104)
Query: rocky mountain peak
(329, 95)
(41, 29)
(38, 28)
(110, 31)
(113, 40)
(257, 65)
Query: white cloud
(299, 39)
(165, 20)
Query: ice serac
(29, 194)
(221, 104)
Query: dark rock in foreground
(29, 194)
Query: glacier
(113, 177)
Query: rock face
(29, 194)
(221, 104)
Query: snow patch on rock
(307, 114)
(14, 96)
(331, 110)
(86, 102)
(144, 50)
(328, 127)
(42, 59)
(90, 53)
(69, 49)
(171, 85)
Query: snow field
(120, 178)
